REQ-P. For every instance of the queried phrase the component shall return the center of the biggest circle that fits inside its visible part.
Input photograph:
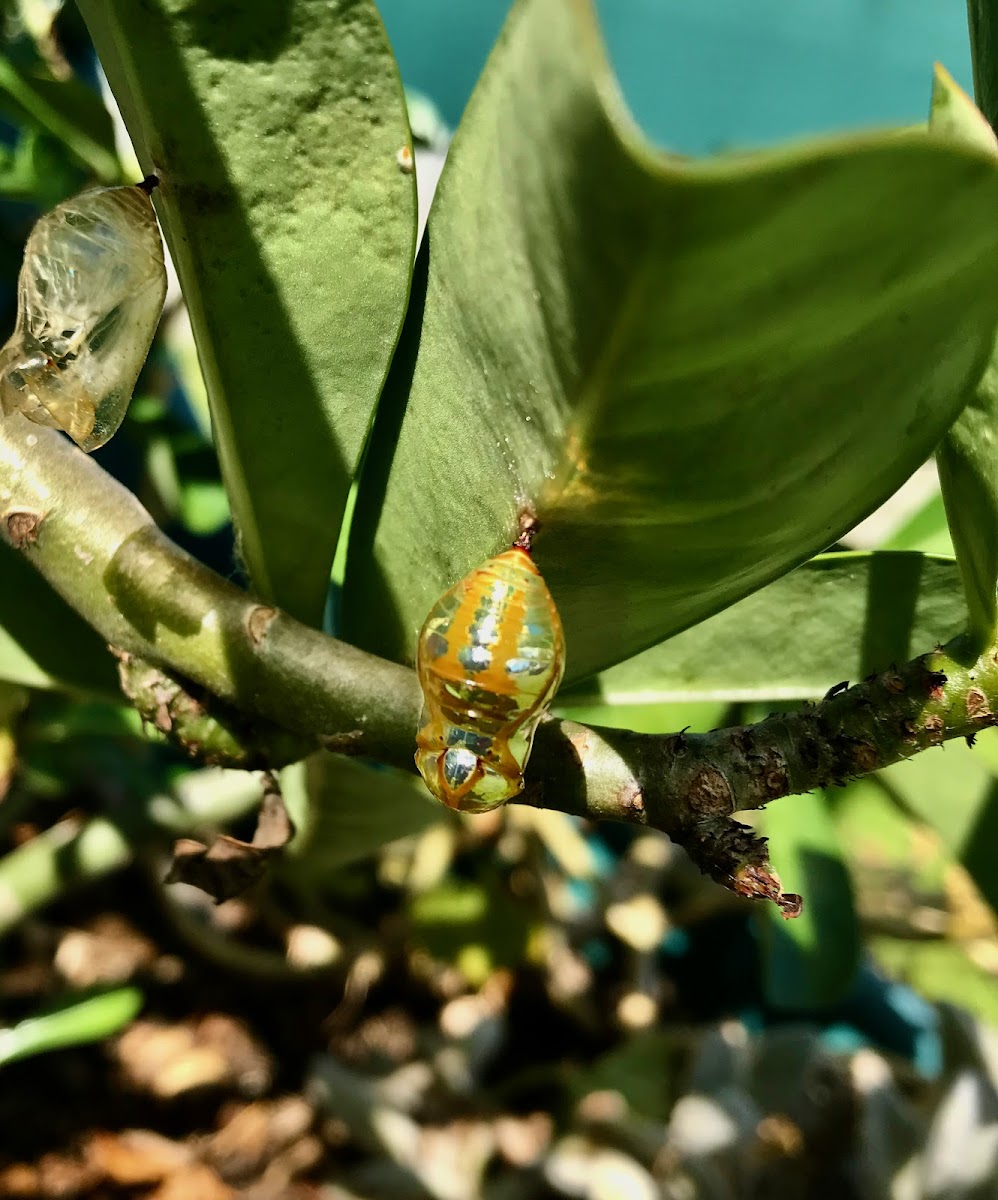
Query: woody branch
(100, 550)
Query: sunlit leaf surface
(698, 374)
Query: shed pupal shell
(490, 657)
(89, 298)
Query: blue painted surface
(707, 76)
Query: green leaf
(698, 374)
(43, 643)
(275, 129)
(71, 112)
(968, 455)
(74, 1022)
(840, 616)
(354, 809)
(810, 962)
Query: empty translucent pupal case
(90, 293)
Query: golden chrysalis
(89, 297)
(490, 657)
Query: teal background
(703, 76)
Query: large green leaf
(838, 617)
(43, 643)
(968, 455)
(698, 374)
(275, 129)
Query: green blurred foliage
(74, 1021)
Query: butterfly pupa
(89, 297)
(490, 657)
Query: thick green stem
(100, 550)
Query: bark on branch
(100, 550)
